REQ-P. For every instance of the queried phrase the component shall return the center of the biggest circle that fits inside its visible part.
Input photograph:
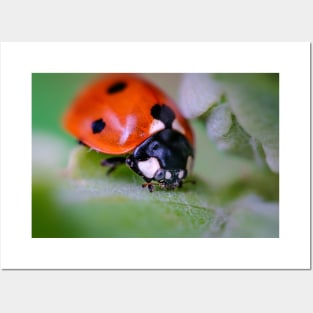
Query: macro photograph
(155, 155)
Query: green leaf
(82, 201)
(240, 111)
(254, 99)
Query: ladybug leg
(150, 186)
(113, 163)
(82, 143)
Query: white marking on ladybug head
(149, 167)
(177, 126)
(168, 175)
(189, 164)
(181, 174)
(156, 126)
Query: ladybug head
(165, 157)
(170, 178)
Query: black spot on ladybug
(97, 126)
(117, 87)
(163, 113)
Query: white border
(290, 251)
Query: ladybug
(130, 118)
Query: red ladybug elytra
(126, 116)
